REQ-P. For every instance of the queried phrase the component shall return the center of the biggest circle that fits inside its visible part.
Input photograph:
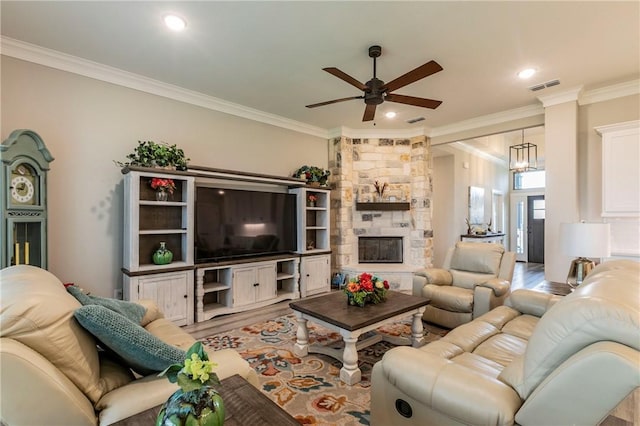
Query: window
(529, 180)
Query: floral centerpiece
(313, 175)
(366, 288)
(196, 402)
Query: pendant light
(523, 157)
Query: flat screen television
(233, 223)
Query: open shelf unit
(148, 223)
(313, 223)
(313, 239)
(235, 287)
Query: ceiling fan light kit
(377, 92)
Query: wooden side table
(559, 289)
(243, 404)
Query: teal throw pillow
(142, 351)
(131, 310)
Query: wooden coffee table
(333, 312)
(243, 404)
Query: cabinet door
(170, 292)
(245, 283)
(314, 275)
(267, 282)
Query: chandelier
(523, 157)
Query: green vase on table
(199, 407)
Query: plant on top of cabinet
(152, 154)
(313, 174)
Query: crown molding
(617, 127)
(69, 63)
(569, 95)
(64, 62)
(488, 120)
(376, 133)
(614, 91)
(479, 153)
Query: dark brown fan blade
(369, 113)
(345, 77)
(422, 71)
(334, 101)
(411, 100)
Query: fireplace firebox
(380, 250)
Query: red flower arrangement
(160, 184)
(366, 288)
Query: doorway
(535, 228)
(527, 212)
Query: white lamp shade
(585, 239)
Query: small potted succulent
(158, 155)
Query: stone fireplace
(400, 221)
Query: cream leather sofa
(51, 371)
(537, 360)
(474, 278)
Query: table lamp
(584, 240)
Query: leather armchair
(475, 278)
(537, 360)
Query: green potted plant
(197, 402)
(160, 155)
(313, 175)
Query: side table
(243, 404)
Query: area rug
(309, 388)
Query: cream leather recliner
(51, 370)
(537, 360)
(474, 278)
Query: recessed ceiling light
(175, 23)
(390, 114)
(526, 73)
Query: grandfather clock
(25, 162)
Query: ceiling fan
(377, 91)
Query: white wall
(444, 223)
(86, 124)
(452, 179)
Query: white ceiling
(269, 55)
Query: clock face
(23, 185)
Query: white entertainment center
(188, 289)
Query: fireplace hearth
(380, 250)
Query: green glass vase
(199, 407)
(163, 255)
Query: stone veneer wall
(405, 165)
